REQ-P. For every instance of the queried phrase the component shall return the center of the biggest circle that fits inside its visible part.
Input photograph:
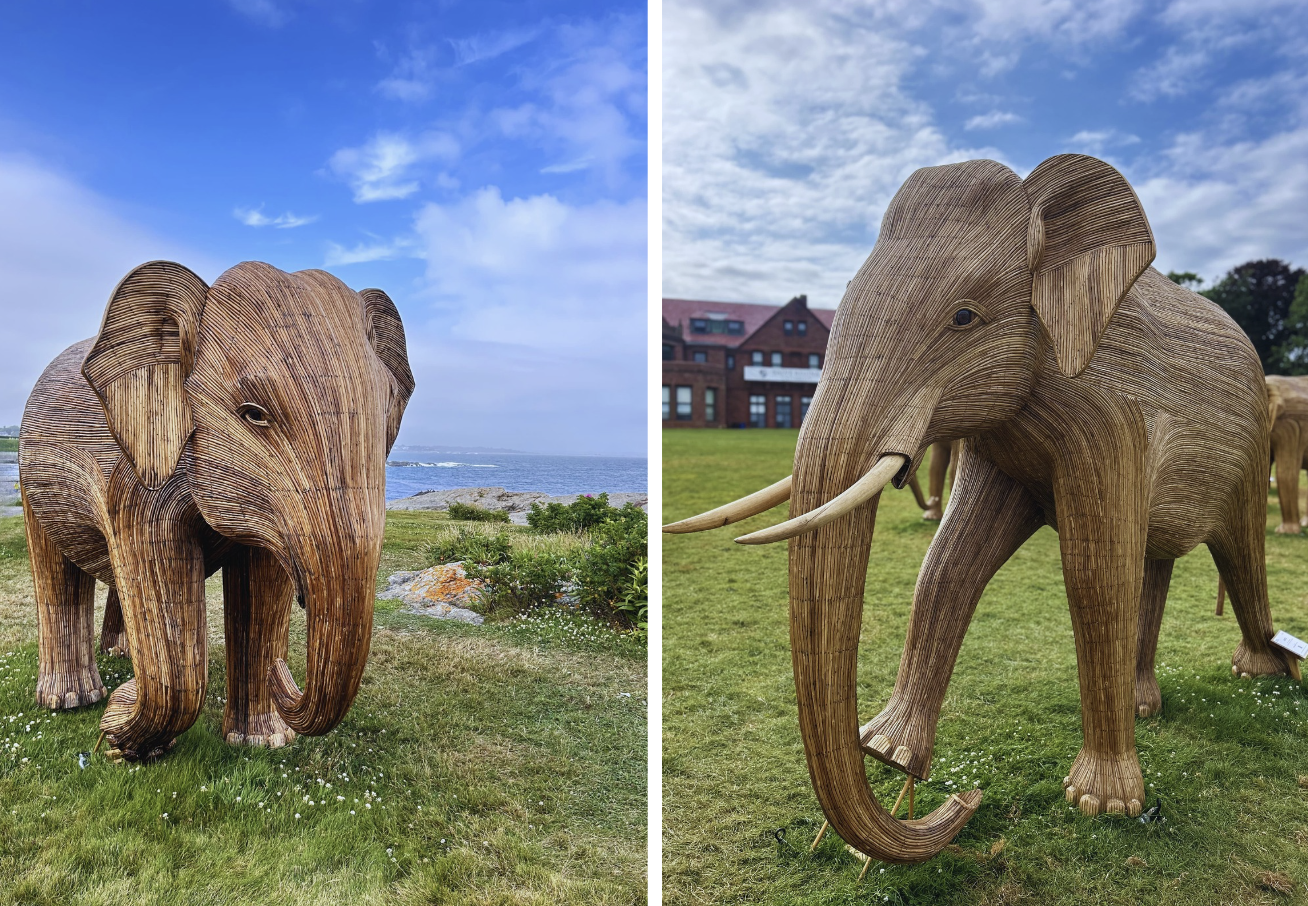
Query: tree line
(1269, 300)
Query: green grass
(1226, 756)
(8, 445)
(494, 764)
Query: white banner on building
(782, 375)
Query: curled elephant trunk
(339, 590)
(828, 569)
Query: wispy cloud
(384, 168)
(364, 252)
(487, 46)
(255, 217)
(1096, 142)
(992, 120)
(264, 12)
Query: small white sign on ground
(1297, 647)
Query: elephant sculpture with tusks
(1092, 395)
(241, 426)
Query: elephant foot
(1148, 697)
(1105, 784)
(933, 511)
(73, 689)
(116, 714)
(1258, 662)
(894, 738)
(262, 730)
(1288, 528)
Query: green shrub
(612, 574)
(522, 582)
(466, 512)
(469, 546)
(582, 514)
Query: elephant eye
(966, 316)
(255, 415)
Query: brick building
(741, 365)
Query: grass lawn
(8, 445)
(503, 763)
(1227, 757)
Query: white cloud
(256, 218)
(384, 168)
(264, 12)
(62, 251)
(364, 252)
(538, 319)
(487, 46)
(992, 120)
(1096, 142)
(786, 132)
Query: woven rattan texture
(243, 426)
(1090, 394)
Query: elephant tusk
(755, 503)
(857, 494)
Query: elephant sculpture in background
(1288, 398)
(943, 455)
(241, 426)
(1093, 395)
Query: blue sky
(482, 162)
(788, 127)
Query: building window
(700, 356)
(710, 404)
(758, 411)
(667, 402)
(804, 403)
(776, 360)
(756, 358)
(783, 412)
(801, 328)
(731, 362)
(787, 327)
(814, 360)
(717, 324)
(683, 404)
(669, 352)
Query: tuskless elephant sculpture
(1289, 396)
(1093, 395)
(242, 426)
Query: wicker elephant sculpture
(1093, 395)
(1289, 403)
(241, 426)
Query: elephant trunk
(828, 568)
(336, 574)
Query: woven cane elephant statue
(1093, 395)
(1289, 401)
(241, 426)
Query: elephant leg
(1153, 596)
(1239, 552)
(113, 632)
(990, 518)
(1100, 496)
(940, 456)
(257, 598)
(1303, 519)
(67, 675)
(158, 569)
(1285, 449)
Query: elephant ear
(386, 333)
(1087, 242)
(139, 363)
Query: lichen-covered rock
(442, 591)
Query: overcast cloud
(788, 128)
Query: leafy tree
(1258, 295)
(1188, 279)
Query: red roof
(678, 312)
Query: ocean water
(511, 471)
